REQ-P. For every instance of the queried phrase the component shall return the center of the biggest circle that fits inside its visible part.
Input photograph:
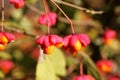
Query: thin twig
(81, 68)
(70, 69)
(46, 12)
(80, 8)
(34, 9)
(3, 15)
(47, 6)
(19, 31)
(71, 23)
(62, 19)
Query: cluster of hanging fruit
(73, 42)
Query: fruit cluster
(51, 19)
(17, 3)
(48, 42)
(109, 36)
(105, 66)
(83, 77)
(6, 66)
(73, 42)
(5, 38)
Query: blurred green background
(60, 65)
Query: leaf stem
(71, 23)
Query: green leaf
(70, 60)
(45, 70)
(53, 65)
(43, 28)
(17, 14)
(77, 15)
(57, 78)
(31, 1)
(1, 75)
(92, 67)
(59, 62)
(18, 55)
(26, 24)
(5, 55)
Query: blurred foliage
(60, 65)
